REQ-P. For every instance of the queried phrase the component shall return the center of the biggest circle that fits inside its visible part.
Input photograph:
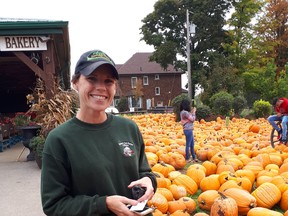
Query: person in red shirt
(281, 109)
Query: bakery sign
(23, 43)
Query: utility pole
(190, 30)
(188, 56)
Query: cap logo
(97, 56)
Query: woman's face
(96, 91)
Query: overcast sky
(109, 25)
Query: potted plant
(25, 123)
(37, 146)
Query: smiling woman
(99, 146)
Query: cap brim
(92, 67)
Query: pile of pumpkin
(239, 173)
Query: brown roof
(139, 64)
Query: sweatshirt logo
(127, 148)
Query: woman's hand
(146, 183)
(193, 110)
(118, 205)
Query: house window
(157, 77)
(145, 80)
(133, 82)
(157, 91)
(159, 103)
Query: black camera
(138, 192)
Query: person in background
(281, 109)
(188, 117)
(92, 161)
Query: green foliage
(262, 109)
(122, 106)
(203, 112)
(37, 145)
(165, 29)
(176, 104)
(221, 103)
(239, 104)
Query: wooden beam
(26, 60)
(49, 68)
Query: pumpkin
(162, 168)
(196, 174)
(177, 160)
(224, 206)
(200, 214)
(180, 213)
(210, 167)
(207, 198)
(254, 128)
(178, 191)
(187, 182)
(267, 195)
(190, 204)
(260, 211)
(166, 193)
(158, 201)
(245, 201)
(210, 183)
(284, 201)
(175, 205)
(229, 184)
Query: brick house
(146, 84)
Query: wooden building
(31, 49)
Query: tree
(240, 33)
(165, 29)
(272, 35)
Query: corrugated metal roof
(15, 26)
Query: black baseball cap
(91, 60)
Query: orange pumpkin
(190, 204)
(207, 198)
(175, 205)
(284, 201)
(254, 128)
(260, 211)
(245, 201)
(159, 201)
(187, 182)
(267, 195)
(225, 206)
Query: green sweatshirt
(83, 163)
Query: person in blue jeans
(188, 117)
(281, 109)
